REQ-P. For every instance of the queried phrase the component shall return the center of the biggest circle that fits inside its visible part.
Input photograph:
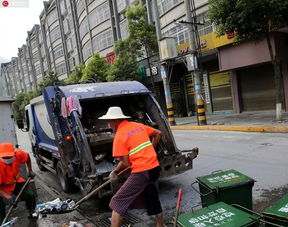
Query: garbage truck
(68, 139)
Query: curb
(235, 128)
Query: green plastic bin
(278, 213)
(231, 187)
(218, 214)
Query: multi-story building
(235, 77)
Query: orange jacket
(10, 174)
(132, 139)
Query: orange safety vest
(132, 139)
(10, 174)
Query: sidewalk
(258, 121)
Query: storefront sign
(206, 88)
(183, 48)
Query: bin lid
(224, 179)
(218, 214)
(280, 209)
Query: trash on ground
(56, 206)
(10, 223)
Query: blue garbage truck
(68, 139)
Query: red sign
(110, 57)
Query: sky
(14, 24)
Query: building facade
(70, 31)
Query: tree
(16, 106)
(51, 79)
(253, 20)
(142, 35)
(76, 74)
(95, 69)
(125, 65)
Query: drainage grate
(128, 221)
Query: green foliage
(124, 68)
(142, 35)
(125, 65)
(51, 79)
(95, 69)
(76, 74)
(16, 107)
(248, 19)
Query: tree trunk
(277, 78)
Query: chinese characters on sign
(223, 178)
(284, 209)
(14, 3)
(214, 218)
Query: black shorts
(153, 204)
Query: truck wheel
(66, 182)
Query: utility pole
(164, 69)
(199, 101)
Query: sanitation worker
(133, 147)
(10, 180)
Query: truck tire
(67, 184)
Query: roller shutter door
(220, 87)
(257, 88)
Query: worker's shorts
(138, 191)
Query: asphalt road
(261, 156)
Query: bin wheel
(67, 184)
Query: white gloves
(113, 176)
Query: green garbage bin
(218, 214)
(278, 213)
(231, 187)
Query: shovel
(88, 196)
(16, 200)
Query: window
(58, 51)
(121, 5)
(33, 43)
(165, 5)
(207, 27)
(124, 29)
(37, 70)
(35, 56)
(55, 34)
(99, 14)
(87, 53)
(83, 28)
(52, 16)
(180, 32)
(80, 7)
(103, 40)
(61, 69)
